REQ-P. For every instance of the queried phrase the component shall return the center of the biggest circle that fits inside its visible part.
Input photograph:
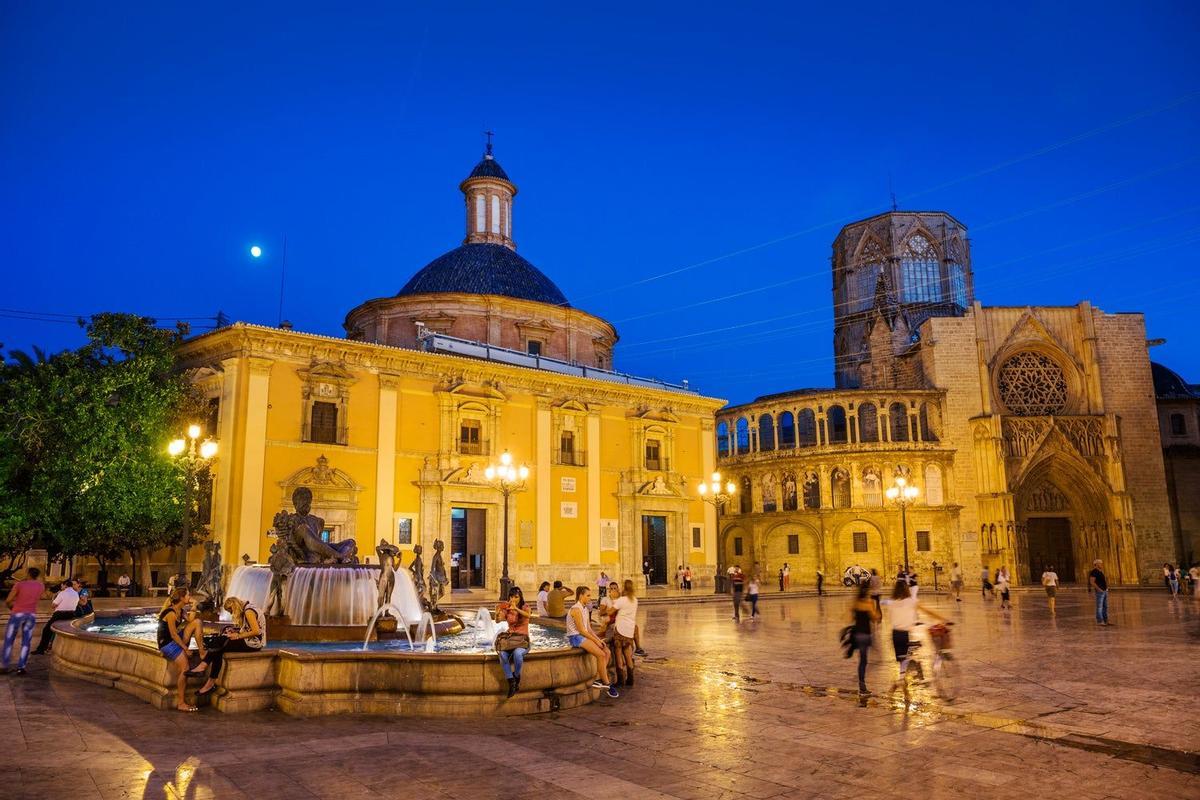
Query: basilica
(1027, 436)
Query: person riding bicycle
(903, 612)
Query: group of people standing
(1177, 581)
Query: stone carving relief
(1046, 498)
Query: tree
(87, 430)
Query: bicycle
(943, 671)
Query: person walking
(912, 582)
(820, 582)
(956, 582)
(864, 613)
(787, 577)
(985, 585)
(904, 617)
(65, 603)
(752, 595)
(737, 583)
(1002, 583)
(1050, 583)
(1099, 584)
(781, 579)
(22, 602)
(874, 585)
(1173, 582)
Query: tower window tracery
(1032, 384)
(920, 271)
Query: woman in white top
(903, 608)
(579, 634)
(543, 596)
(626, 625)
(1050, 581)
(1002, 585)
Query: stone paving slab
(721, 711)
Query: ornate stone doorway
(1050, 545)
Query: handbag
(507, 641)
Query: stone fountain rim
(74, 627)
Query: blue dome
(485, 269)
(488, 167)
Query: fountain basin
(316, 680)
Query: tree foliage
(83, 466)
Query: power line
(1178, 101)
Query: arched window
(898, 418)
(865, 277)
(812, 490)
(508, 218)
(806, 428)
(741, 435)
(480, 213)
(868, 423)
(787, 430)
(789, 492)
(722, 439)
(746, 498)
(839, 480)
(766, 433)
(958, 285)
(495, 214)
(929, 423)
(872, 487)
(920, 271)
(933, 485)
(835, 418)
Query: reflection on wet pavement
(720, 710)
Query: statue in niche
(417, 568)
(437, 575)
(388, 554)
(281, 567)
(211, 574)
(301, 532)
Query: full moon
(256, 251)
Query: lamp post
(193, 454)
(717, 494)
(904, 496)
(508, 479)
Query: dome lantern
(489, 194)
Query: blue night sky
(143, 149)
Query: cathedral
(1027, 436)
(1030, 434)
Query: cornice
(262, 344)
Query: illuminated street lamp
(717, 494)
(508, 479)
(904, 496)
(194, 455)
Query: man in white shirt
(1050, 582)
(123, 585)
(65, 603)
(956, 581)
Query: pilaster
(593, 486)
(542, 470)
(385, 458)
(254, 456)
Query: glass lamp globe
(731, 487)
(505, 458)
(208, 449)
(193, 431)
(176, 447)
(892, 493)
(703, 489)
(490, 473)
(523, 472)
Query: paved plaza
(764, 709)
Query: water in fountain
(316, 595)
(486, 628)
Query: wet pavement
(763, 709)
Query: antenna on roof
(489, 134)
(890, 190)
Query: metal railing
(571, 458)
(324, 435)
(468, 448)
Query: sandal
(186, 709)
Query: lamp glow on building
(193, 454)
(903, 495)
(508, 478)
(717, 494)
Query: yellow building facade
(393, 435)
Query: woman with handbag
(513, 644)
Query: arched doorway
(1063, 521)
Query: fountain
(320, 603)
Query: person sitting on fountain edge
(579, 634)
(555, 601)
(513, 644)
(247, 635)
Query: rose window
(1032, 385)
